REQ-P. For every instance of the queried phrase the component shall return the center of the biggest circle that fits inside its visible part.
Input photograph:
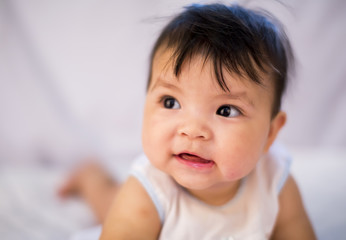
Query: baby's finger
(68, 188)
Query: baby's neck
(217, 195)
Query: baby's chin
(193, 183)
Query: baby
(210, 168)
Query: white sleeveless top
(251, 214)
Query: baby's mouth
(194, 158)
(194, 161)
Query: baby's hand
(87, 180)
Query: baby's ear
(276, 124)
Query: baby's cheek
(148, 142)
(231, 176)
(237, 171)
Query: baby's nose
(195, 129)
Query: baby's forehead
(164, 66)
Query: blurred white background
(73, 77)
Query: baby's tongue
(193, 158)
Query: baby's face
(199, 134)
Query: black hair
(241, 40)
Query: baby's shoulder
(161, 187)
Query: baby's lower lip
(194, 161)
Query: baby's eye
(228, 111)
(171, 103)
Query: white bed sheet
(30, 208)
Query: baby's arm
(292, 221)
(132, 214)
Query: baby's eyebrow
(243, 96)
(161, 83)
